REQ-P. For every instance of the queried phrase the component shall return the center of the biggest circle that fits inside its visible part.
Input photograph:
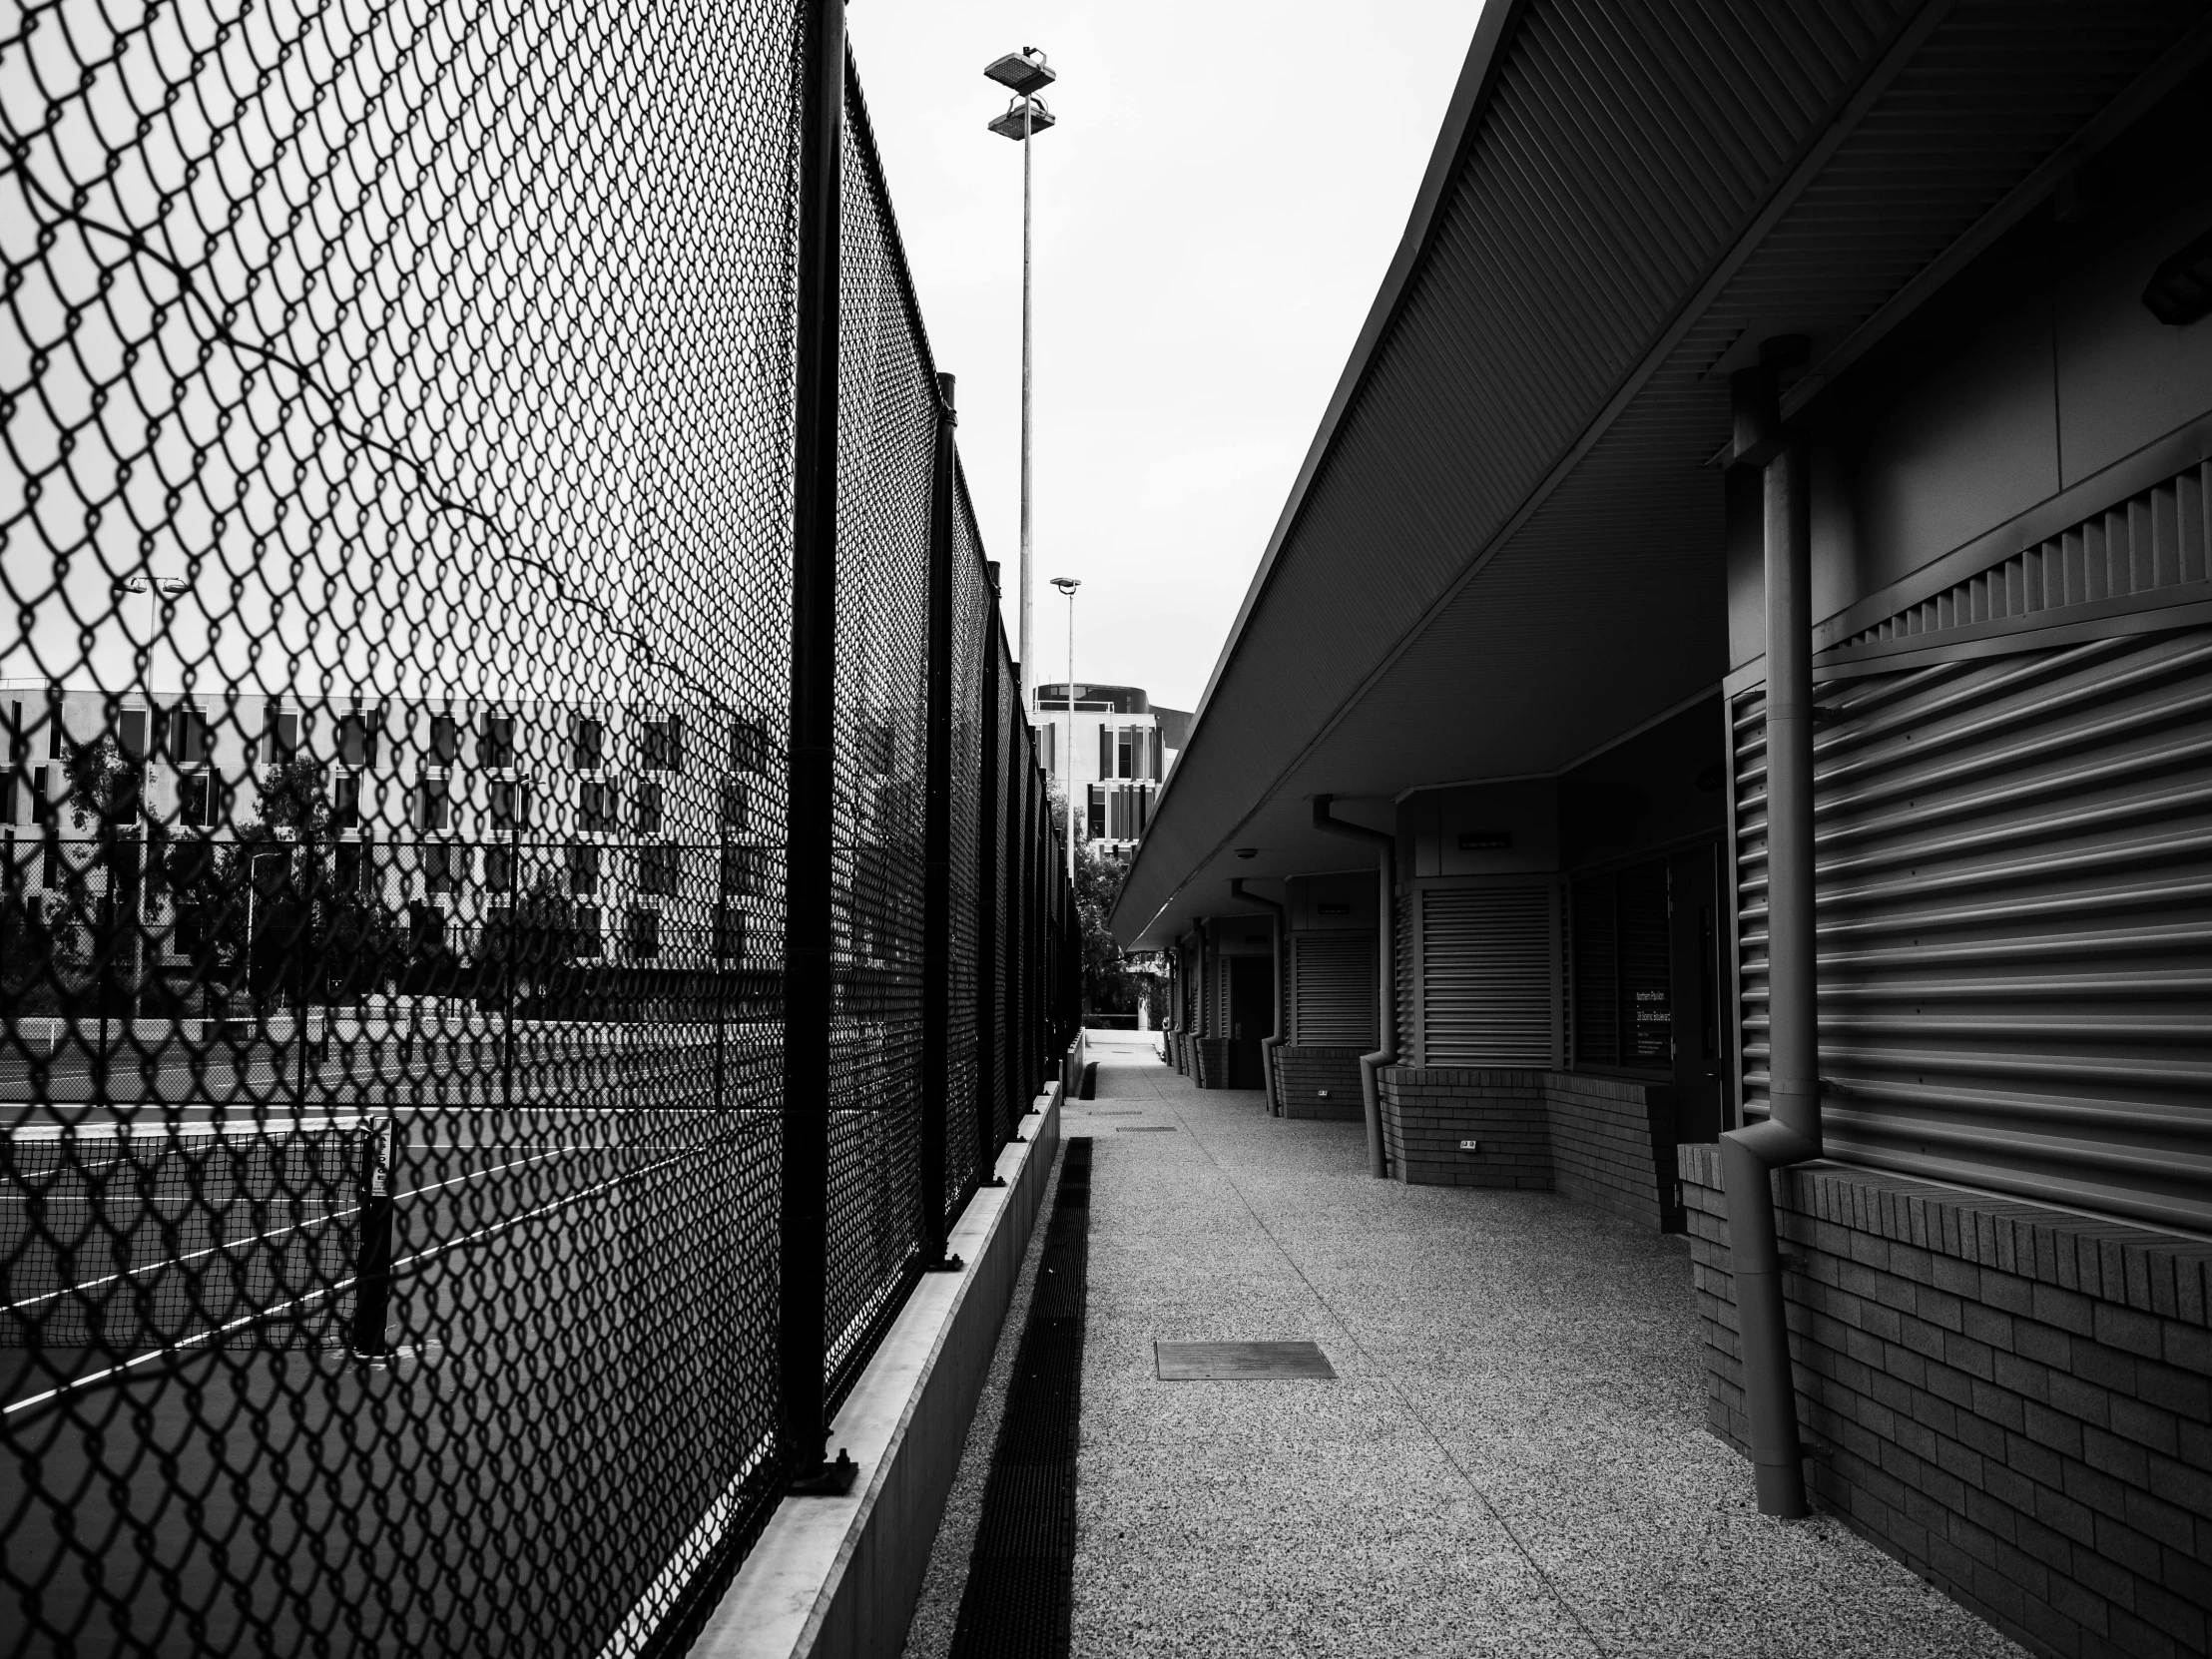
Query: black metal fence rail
(527, 900)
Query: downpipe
(1792, 1132)
(1274, 1039)
(1386, 921)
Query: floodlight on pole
(1068, 585)
(1026, 73)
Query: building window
(345, 801)
(649, 809)
(495, 747)
(729, 932)
(510, 808)
(1047, 743)
(1097, 819)
(661, 744)
(445, 866)
(658, 868)
(357, 741)
(499, 867)
(749, 746)
(595, 808)
(642, 933)
(200, 800)
(130, 731)
(433, 804)
(587, 743)
(876, 747)
(587, 943)
(735, 806)
(284, 734)
(583, 870)
(742, 870)
(1623, 1014)
(189, 740)
(445, 740)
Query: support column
(1792, 1132)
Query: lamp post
(1068, 585)
(1026, 74)
(156, 588)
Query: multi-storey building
(1121, 749)
(634, 824)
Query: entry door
(1251, 1017)
(1696, 930)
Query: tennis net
(126, 1238)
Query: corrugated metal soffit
(2015, 921)
(1487, 968)
(1333, 990)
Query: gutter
(1386, 922)
(1791, 1131)
(1274, 1040)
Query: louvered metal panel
(1485, 977)
(2155, 541)
(1332, 989)
(2015, 921)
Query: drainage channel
(1022, 1577)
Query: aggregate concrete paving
(1513, 1458)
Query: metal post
(372, 1280)
(936, 878)
(1029, 676)
(1069, 769)
(803, 1281)
(990, 957)
(513, 954)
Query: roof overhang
(1504, 548)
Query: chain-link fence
(397, 520)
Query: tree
(102, 931)
(1113, 980)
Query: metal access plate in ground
(1239, 1362)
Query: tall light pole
(1068, 585)
(1026, 73)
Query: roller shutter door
(1485, 977)
(2015, 887)
(1332, 989)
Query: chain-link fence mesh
(397, 522)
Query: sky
(1215, 212)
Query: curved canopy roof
(1505, 549)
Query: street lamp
(1026, 73)
(1068, 585)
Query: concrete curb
(839, 1575)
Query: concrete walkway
(1512, 1460)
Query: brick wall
(1302, 1073)
(1602, 1151)
(1429, 1113)
(2016, 1402)
(1588, 1138)
(1212, 1054)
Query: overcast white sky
(1215, 213)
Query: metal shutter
(1332, 989)
(1485, 977)
(2014, 863)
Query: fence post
(936, 878)
(808, 990)
(372, 1278)
(991, 956)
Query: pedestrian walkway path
(1511, 1460)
